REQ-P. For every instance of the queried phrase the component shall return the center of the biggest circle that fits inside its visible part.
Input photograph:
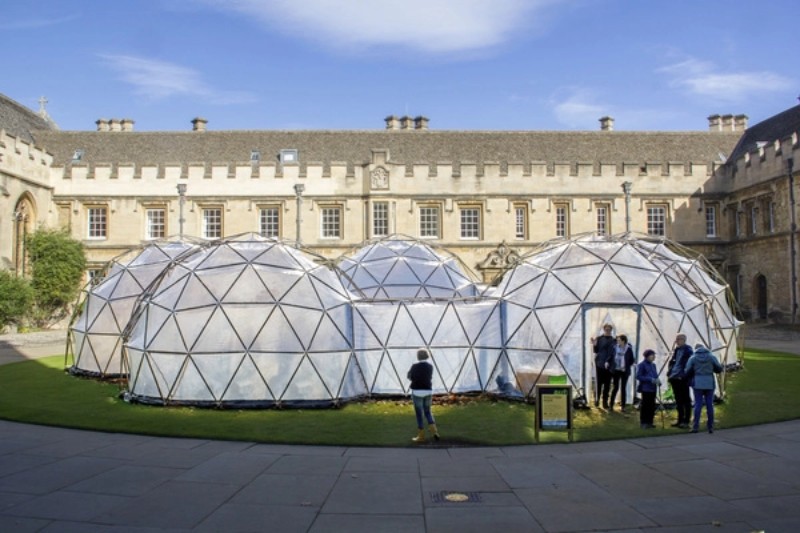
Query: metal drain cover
(447, 496)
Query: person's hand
(593, 340)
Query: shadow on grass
(40, 392)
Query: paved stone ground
(62, 480)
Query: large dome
(247, 320)
(560, 296)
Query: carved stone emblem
(380, 178)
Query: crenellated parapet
(763, 161)
(23, 159)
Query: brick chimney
(102, 124)
(199, 124)
(607, 124)
(421, 123)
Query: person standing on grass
(676, 373)
(647, 376)
(421, 376)
(620, 370)
(702, 366)
(604, 350)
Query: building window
(212, 223)
(737, 223)
(771, 217)
(331, 222)
(97, 222)
(562, 221)
(155, 224)
(711, 221)
(429, 222)
(269, 222)
(255, 156)
(602, 219)
(380, 219)
(753, 220)
(520, 222)
(289, 156)
(470, 223)
(657, 220)
(77, 156)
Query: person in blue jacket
(701, 367)
(620, 371)
(647, 376)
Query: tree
(16, 298)
(57, 267)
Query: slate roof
(405, 147)
(20, 121)
(775, 128)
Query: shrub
(16, 298)
(57, 266)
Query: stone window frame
(384, 218)
(710, 210)
(562, 219)
(520, 222)
(93, 210)
(474, 224)
(653, 223)
(327, 224)
(436, 209)
(603, 210)
(264, 222)
(204, 220)
(148, 236)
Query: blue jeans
(422, 405)
(703, 397)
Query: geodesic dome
(95, 334)
(398, 266)
(244, 321)
(559, 297)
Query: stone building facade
(473, 192)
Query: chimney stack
(127, 124)
(607, 124)
(714, 123)
(406, 123)
(114, 125)
(102, 124)
(727, 122)
(740, 122)
(392, 122)
(199, 124)
(421, 123)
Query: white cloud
(578, 109)
(35, 23)
(437, 26)
(158, 80)
(703, 78)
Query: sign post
(553, 409)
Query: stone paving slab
(235, 518)
(361, 523)
(286, 489)
(478, 520)
(375, 493)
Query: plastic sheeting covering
(250, 321)
(106, 308)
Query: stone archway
(761, 301)
(24, 223)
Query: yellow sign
(554, 409)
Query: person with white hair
(701, 367)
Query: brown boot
(420, 436)
(434, 431)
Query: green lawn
(41, 392)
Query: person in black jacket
(421, 376)
(621, 370)
(676, 373)
(604, 348)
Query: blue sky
(346, 64)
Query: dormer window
(77, 156)
(288, 156)
(255, 156)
